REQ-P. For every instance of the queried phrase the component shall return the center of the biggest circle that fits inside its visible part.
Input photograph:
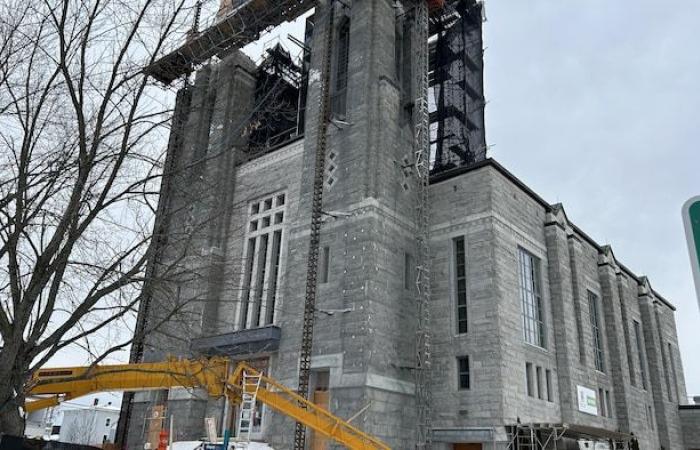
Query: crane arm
(217, 376)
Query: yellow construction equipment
(218, 376)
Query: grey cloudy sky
(596, 104)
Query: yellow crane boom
(218, 376)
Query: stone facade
(245, 219)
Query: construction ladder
(422, 169)
(249, 394)
(307, 332)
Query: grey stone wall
(690, 424)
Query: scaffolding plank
(243, 26)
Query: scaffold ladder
(307, 332)
(422, 169)
(249, 395)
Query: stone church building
(539, 333)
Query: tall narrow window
(261, 264)
(528, 380)
(341, 74)
(601, 402)
(460, 284)
(272, 290)
(324, 264)
(463, 374)
(577, 301)
(538, 372)
(531, 298)
(641, 354)
(608, 403)
(548, 380)
(409, 275)
(595, 328)
(245, 294)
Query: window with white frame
(263, 247)
(531, 298)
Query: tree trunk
(12, 379)
(11, 422)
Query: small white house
(89, 420)
(88, 426)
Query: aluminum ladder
(249, 393)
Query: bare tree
(81, 133)
(82, 140)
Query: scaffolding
(277, 89)
(456, 83)
(234, 28)
(422, 171)
(541, 436)
(324, 115)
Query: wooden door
(320, 398)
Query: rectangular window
(548, 380)
(463, 372)
(608, 403)
(324, 265)
(245, 299)
(528, 380)
(538, 372)
(595, 328)
(341, 73)
(460, 283)
(531, 298)
(409, 274)
(259, 281)
(601, 402)
(272, 291)
(640, 354)
(258, 293)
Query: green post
(691, 219)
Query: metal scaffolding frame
(324, 115)
(422, 171)
(456, 78)
(241, 26)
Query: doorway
(320, 397)
(467, 446)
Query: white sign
(587, 400)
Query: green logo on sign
(694, 214)
(691, 218)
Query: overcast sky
(596, 104)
